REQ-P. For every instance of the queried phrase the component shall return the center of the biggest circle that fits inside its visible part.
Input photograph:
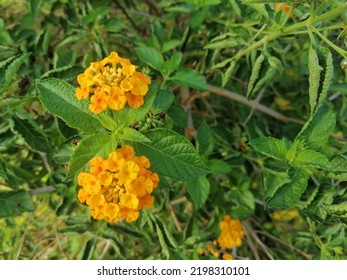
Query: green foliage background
(260, 94)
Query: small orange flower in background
(230, 236)
(284, 215)
(282, 7)
(227, 256)
(231, 233)
(118, 187)
(111, 83)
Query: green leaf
(3, 173)
(171, 44)
(96, 145)
(82, 228)
(65, 150)
(64, 57)
(339, 164)
(245, 204)
(59, 99)
(323, 195)
(218, 166)
(128, 230)
(32, 134)
(311, 158)
(266, 72)
(174, 62)
(169, 239)
(117, 243)
(9, 68)
(190, 78)
(228, 73)
(255, 74)
(13, 203)
(129, 115)
(339, 168)
(273, 181)
(129, 134)
(339, 210)
(178, 115)
(314, 78)
(270, 147)
(318, 128)
(276, 167)
(321, 71)
(35, 6)
(162, 242)
(289, 194)
(171, 155)
(151, 57)
(163, 100)
(269, 74)
(198, 191)
(274, 1)
(66, 73)
(205, 141)
(177, 254)
(89, 249)
(230, 42)
(275, 63)
(222, 63)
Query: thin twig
(153, 7)
(38, 244)
(178, 201)
(307, 256)
(24, 234)
(47, 189)
(45, 249)
(187, 106)
(257, 100)
(255, 237)
(253, 104)
(127, 16)
(45, 161)
(251, 244)
(59, 242)
(105, 250)
(174, 218)
(262, 108)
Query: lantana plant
(117, 165)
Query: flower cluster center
(112, 83)
(119, 186)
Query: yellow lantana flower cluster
(231, 233)
(118, 187)
(285, 215)
(111, 83)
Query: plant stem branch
(174, 218)
(331, 44)
(289, 29)
(127, 16)
(24, 235)
(47, 189)
(253, 104)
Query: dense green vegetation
(245, 116)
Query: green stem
(306, 23)
(331, 44)
(332, 27)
